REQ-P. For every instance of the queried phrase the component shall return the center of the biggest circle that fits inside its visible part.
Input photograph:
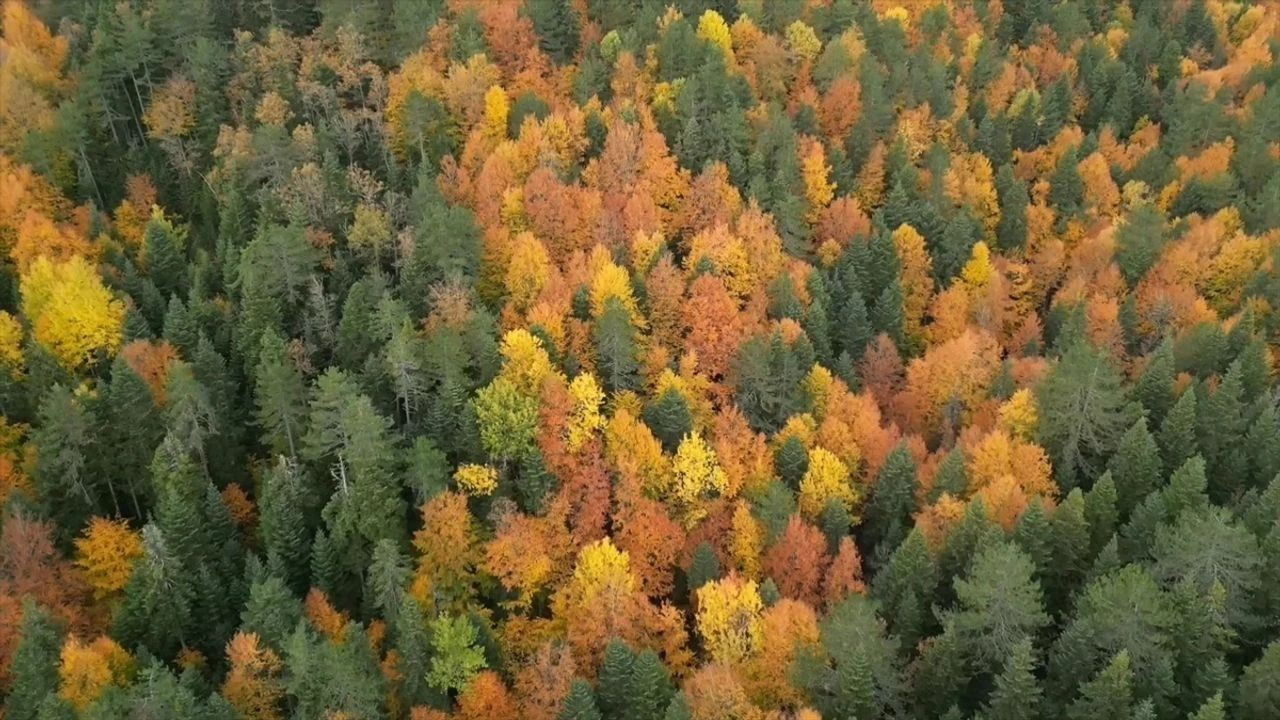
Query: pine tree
(1082, 414)
(905, 587)
(557, 26)
(1263, 443)
(614, 685)
(678, 709)
(704, 568)
(180, 327)
(271, 611)
(791, 460)
(1017, 693)
(616, 347)
(669, 417)
(892, 502)
(1259, 694)
(650, 690)
(280, 396)
(63, 477)
(580, 703)
(1066, 189)
(166, 256)
(1100, 512)
(1135, 467)
(1011, 232)
(34, 673)
(282, 526)
(1154, 388)
(951, 476)
(1221, 430)
(1070, 549)
(1178, 432)
(1109, 696)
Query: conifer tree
(34, 674)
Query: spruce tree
(614, 684)
(271, 611)
(1100, 512)
(580, 703)
(1109, 696)
(1178, 431)
(704, 568)
(905, 588)
(669, 417)
(616, 347)
(650, 690)
(1154, 388)
(1017, 693)
(1135, 467)
(892, 502)
(34, 665)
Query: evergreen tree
(1178, 432)
(615, 681)
(1154, 388)
(580, 703)
(34, 673)
(271, 611)
(616, 347)
(1135, 467)
(1017, 693)
(1109, 696)
(650, 690)
(1101, 512)
(891, 505)
(1066, 189)
(280, 397)
(905, 588)
(1011, 233)
(557, 26)
(704, 568)
(1083, 413)
(669, 417)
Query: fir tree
(1017, 693)
(34, 664)
(615, 681)
(580, 703)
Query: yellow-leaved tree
(825, 480)
(585, 419)
(87, 669)
(696, 477)
(729, 619)
(106, 552)
(71, 312)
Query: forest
(644, 360)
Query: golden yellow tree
(713, 29)
(825, 480)
(476, 479)
(917, 279)
(818, 188)
(71, 312)
(88, 669)
(696, 477)
(729, 619)
(106, 551)
(585, 419)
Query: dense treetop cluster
(653, 360)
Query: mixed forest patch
(653, 360)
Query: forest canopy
(652, 360)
